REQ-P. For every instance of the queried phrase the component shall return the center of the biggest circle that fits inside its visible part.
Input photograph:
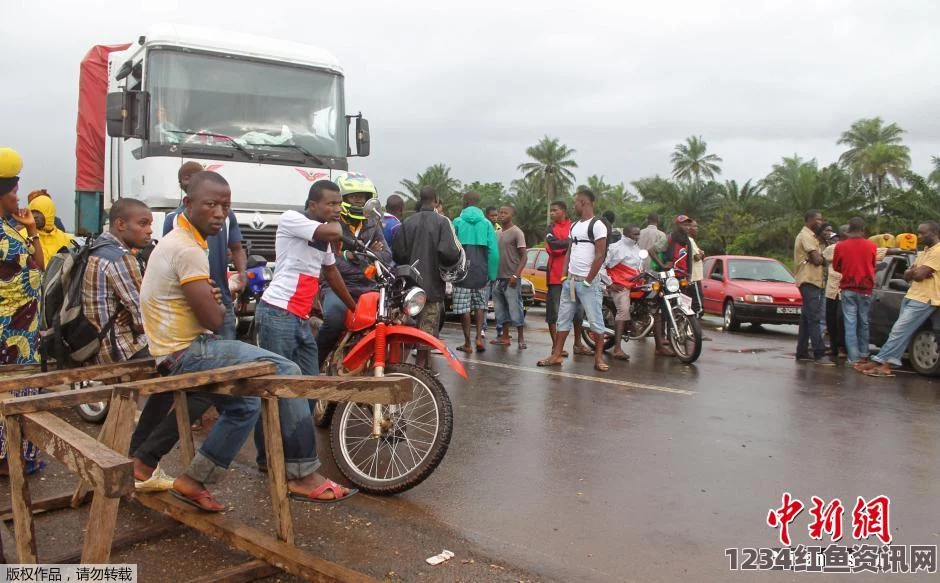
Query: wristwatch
(515, 277)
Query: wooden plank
(277, 474)
(195, 381)
(54, 401)
(102, 517)
(385, 390)
(250, 571)
(46, 504)
(19, 493)
(92, 461)
(106, 438)
(98, 372)
(144, 533)
(184, 427)
(262, 546)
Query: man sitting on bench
(179, 304)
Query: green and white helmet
(353, 183)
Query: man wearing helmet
(356, 190)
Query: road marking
(582, 377)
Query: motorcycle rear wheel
(408, 451)
(323, 413)
(686, 339)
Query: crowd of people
(835, 272)
(174, 301)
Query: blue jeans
(228, 329)
(855, 307)
(814, 313)
(912, 317)
(507, 301)
(334, 323)
(237, 415)
(589, 298)
(290, 336)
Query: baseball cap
(683, 219)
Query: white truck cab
(266, 114)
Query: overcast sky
(472, 85)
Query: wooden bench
(105, 471)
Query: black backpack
(590, 230)
(65, 333)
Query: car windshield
(213, 101)
(758, 270)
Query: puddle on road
(745, 350)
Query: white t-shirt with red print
(297, 267)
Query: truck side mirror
(363, 139)
(115, 114)
(128, 114)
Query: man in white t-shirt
(581, 284)
(303, 256)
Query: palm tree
(690, 162)
(526, 198)
(934, 175)
(875, 152)
(551, 169)
(438, 177)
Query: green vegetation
(761, 216)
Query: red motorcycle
(387, 449)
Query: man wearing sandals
(479, 242)
(583, 262)
(507, 291)
(179, 305)
(919, 304)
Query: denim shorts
(589, 297)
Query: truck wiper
(300, 149)
(229, 139)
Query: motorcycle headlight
(415, 299)
(672, 285)
(268, 274)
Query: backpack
(65, 332)
(590, 230)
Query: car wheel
(925, 353)
(731, 324)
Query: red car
(750, 289)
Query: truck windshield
(212, 101)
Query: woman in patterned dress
(21, 264)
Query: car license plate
(789, 310)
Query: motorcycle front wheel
(686, 338)
(323, 413)
(91, 412)
(414, 438)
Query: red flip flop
(203, 501)
(327, 485)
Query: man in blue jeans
(919, 304)
(507, 290)
(302, 247)
(179, 304)
(810, 278)
(581, 281)
(855, 259)
(228, 240)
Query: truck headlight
(414, 301)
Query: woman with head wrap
(21, 263)
(51, 238)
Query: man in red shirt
(557, 241)
(855, 259)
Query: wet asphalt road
(646, 473)
(650, 472)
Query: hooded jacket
(51, 237)
(475, 232)
(428, 238)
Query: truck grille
(259, 241)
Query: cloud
(472, 85)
